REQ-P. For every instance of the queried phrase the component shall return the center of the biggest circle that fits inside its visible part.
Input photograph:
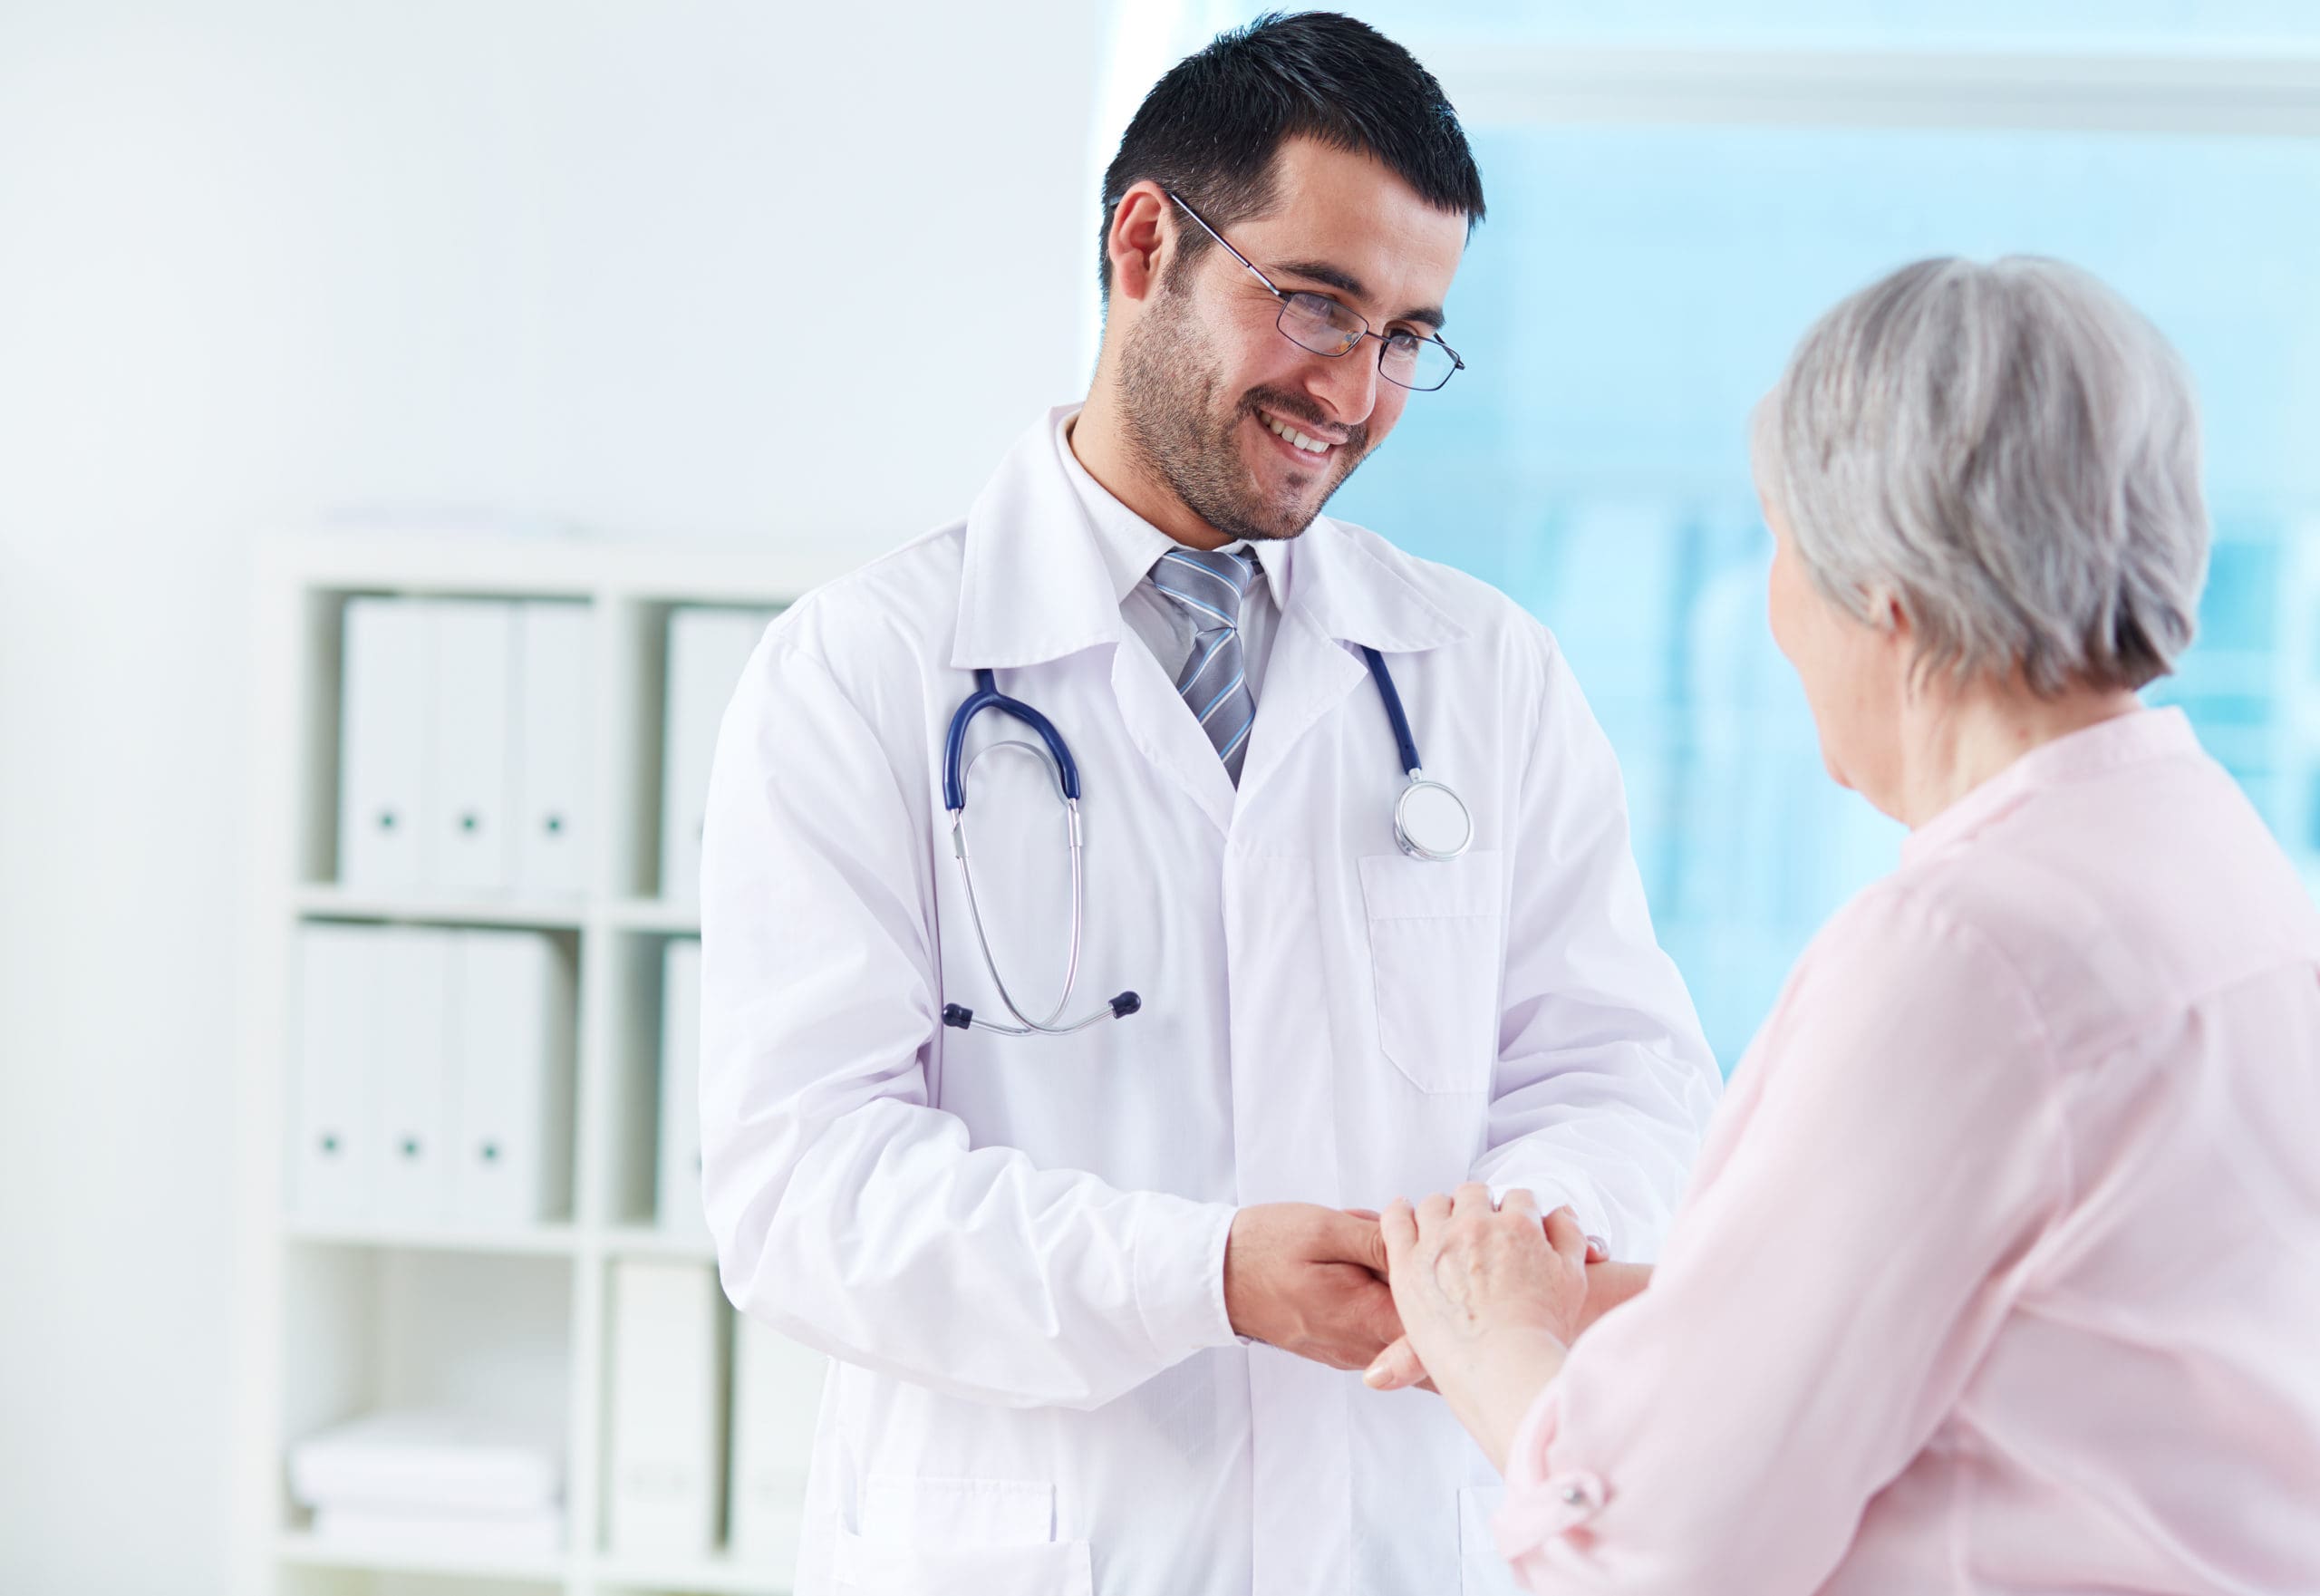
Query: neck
(1952, 744)
(1099, 440)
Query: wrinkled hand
(1489, 1298)
(1608, 1284)
(1310, 1281)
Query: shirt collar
(1130, 545)
(2132, 738)
(1038, 579)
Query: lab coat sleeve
(848, 1212)
(1604, 1083)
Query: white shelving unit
(338, 1318)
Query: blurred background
(657, 313)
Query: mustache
(1290, 408)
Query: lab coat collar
(1034, 585)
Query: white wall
(719, 271)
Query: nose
(1345, 386)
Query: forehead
(1351, 211)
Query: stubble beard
(1177, 432)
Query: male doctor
(1091, 1298)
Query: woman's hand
(1489, 1299)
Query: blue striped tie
(1208, 586)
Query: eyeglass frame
(1457, 362)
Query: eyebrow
(1345, 282)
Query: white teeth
(1309, 445)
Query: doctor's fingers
(1473, 1197)
(1351, 1238)
(1397, 1229)
(1566, 1238)
(1433, 1212)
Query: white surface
(665, 1476)
(335, 1144)
(518, 260)
(678, 1208)
(415, 1025)
(511, 1152)
(387, 746)
(776, 1396)
(554, 679)
(442, 1461)
(382, 1533)
(706, 649)
(470, 845)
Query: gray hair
(2010, 451)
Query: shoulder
(903, 603)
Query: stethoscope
(1430, 822)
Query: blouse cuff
(1540, 1505)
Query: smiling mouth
(1289, 433)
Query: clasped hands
(1426, 1294)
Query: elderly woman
(2000, 1270)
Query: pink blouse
(2000, 1270)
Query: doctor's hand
(1309, 1281)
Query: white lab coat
(1014, 1247)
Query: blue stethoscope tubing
(1430, 822)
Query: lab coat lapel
(1033, 587)
(1342, 596)
(1166, 733)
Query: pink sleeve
(1827, 1288)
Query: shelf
(325, 900)
(306, 1550)
(547, 1240)
(645, 1240)
(713, 1576)
(653, 914)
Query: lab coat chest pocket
(1435, 957)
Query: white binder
(334, 1150)
(678, 1199)
(666, 1479)
(414, 1027)
(385, 745)
(554, 667)
(511, 1146)
(777, 1402)
(470, 842)
(708, 649)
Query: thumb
(1359, 1239)
(1396, 1369)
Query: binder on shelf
(385, 745)
(469, 840)
(665, 1483)
(555, 685)
(777, 1402)
(677, 1199)
(708, 649)
(511, 1148)
(414, 1027)
(334, 1148)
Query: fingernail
(1598, 1246)
(1374, 1375)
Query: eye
(1403, 342)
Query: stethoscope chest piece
(1430, 821)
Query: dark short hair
(1210, 129)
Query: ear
(1142, 233)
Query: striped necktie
(1208, 586)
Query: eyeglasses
(1314, 322)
